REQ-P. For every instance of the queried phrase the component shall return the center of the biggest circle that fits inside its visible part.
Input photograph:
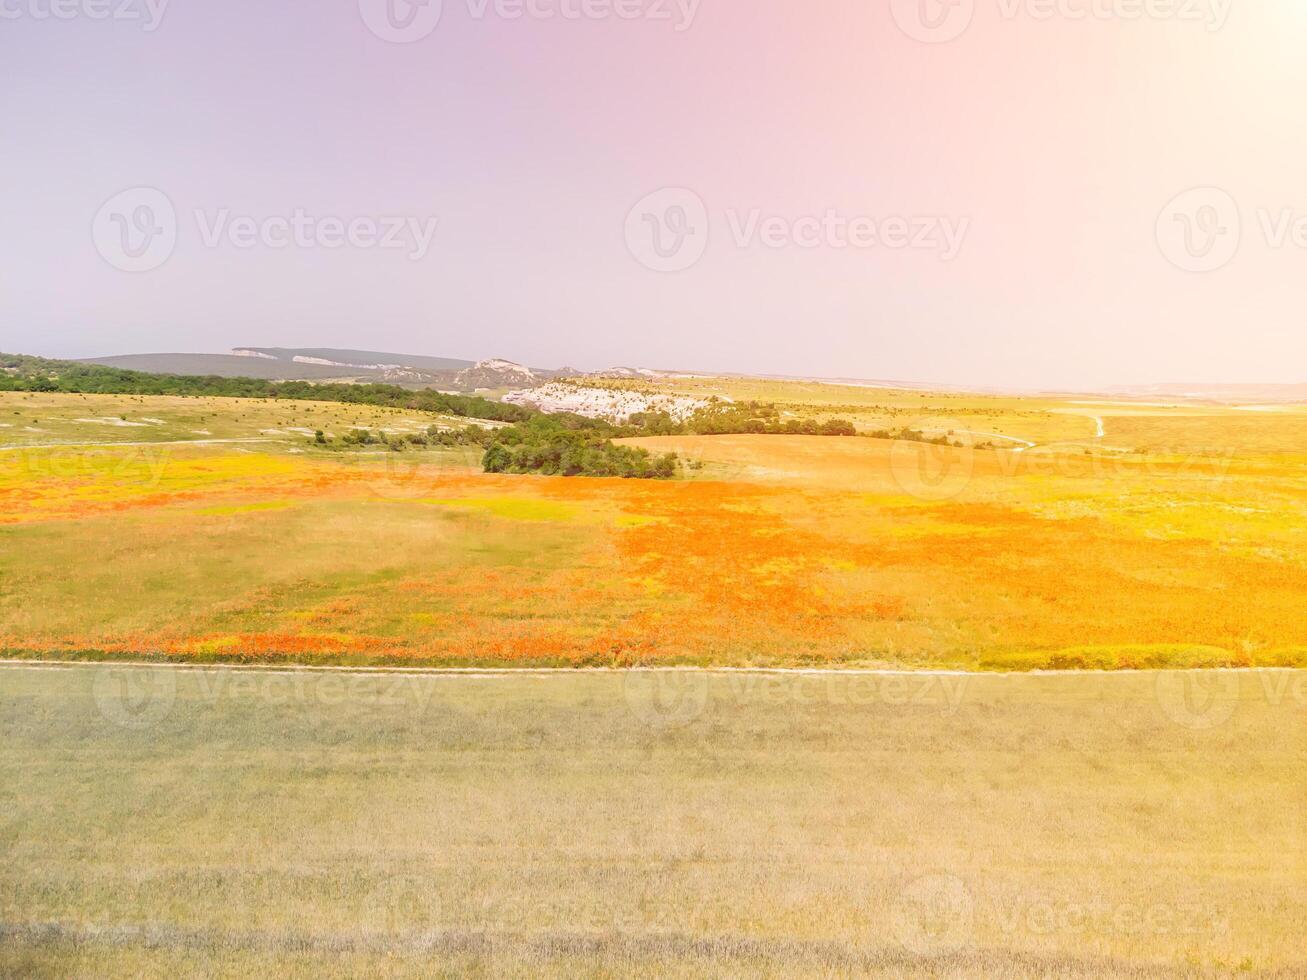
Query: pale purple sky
(1048, 147)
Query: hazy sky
(988, 192)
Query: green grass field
(54, 420)
(219, 822)
(163, 823)
(205, 529)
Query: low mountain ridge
(368, 360)
(335, 364)
(497, 373)
(1220, 392)
(219, 365)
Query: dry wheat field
(162, 822)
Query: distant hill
(24, 372)
(222, 365)
(334, 364)
(498, 373)
(1233, 393)
(366, 359)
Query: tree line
(562, 443)
(24, 373)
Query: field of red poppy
(770, 550)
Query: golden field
(162, 823)
(283, 820)
(208, 529)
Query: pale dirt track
(115, 445)
(455, 673)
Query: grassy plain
(159, 823)
(38, 419)
(152, 539)
(197, 822)
(1066, 422)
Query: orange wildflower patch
(482, 568)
